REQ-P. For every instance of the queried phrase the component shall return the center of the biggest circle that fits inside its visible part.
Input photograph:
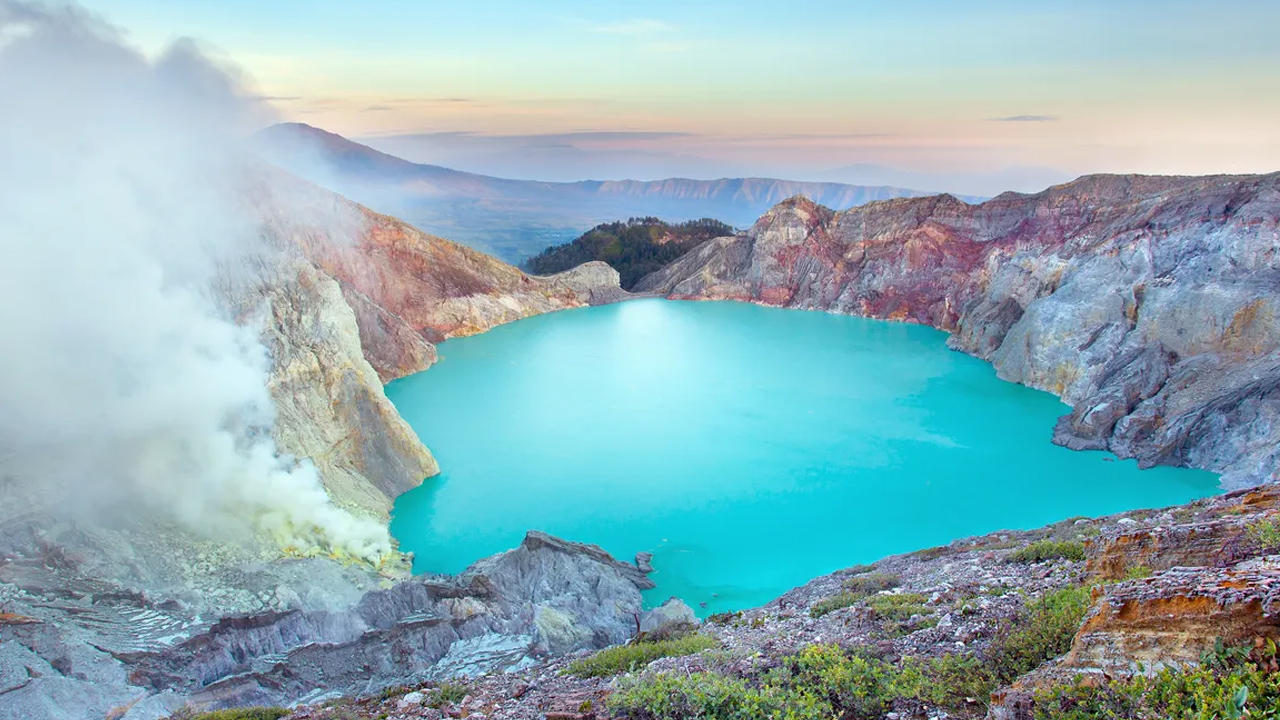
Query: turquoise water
(750, 449)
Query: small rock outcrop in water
(1147, 303)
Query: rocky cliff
(1147, 303)
(362, 301)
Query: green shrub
(835, 602)
(860, 569)
(824, 678)
(707, 696)
(446, 694)
(1265, 534)
(251, 713)
(1234, 684)
(626, 658)
(872, 583)
(818, 683)
(1043, 631)
(1042, 550)
(1137, 572)
(948, 681)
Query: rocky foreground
(1148, 304)
(1155, 589)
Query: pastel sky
(805, 89)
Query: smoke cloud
(124, 379)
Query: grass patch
(628, 658)
(833, 603)
(725, 618)
(860, 569)
(872, 583)
(818, 683)
(446, 694)
(856, 588)
(932, 553)
(251, 713)
(1043, 550)
(1230, 684)
(895, 611)
(898, 608)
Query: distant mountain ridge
(515, 219)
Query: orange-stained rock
(410, 289)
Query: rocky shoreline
(1146, 570)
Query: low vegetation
(1229, 684)
(856, 589)
(446, 694)
(825, 681)
(1043, 550)
(254, 713)
(1265, 534)
(872, 582)
(627, 658)
(634, 248)
(897, 610)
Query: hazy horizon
(975, 99)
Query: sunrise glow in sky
(810, 89)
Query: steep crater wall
(1146, 303)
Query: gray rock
(96, 647)
(671, 618)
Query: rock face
(330, 406)
(75, 646)
(1146, 303)
(1210, 578)
(361, 303)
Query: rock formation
(75, 645)
(401, 291)
(1146, 303)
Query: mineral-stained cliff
(1147, 303)
(362, 300)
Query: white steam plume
(123, 377)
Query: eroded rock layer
(1147, 303)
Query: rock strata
(84, 646)
(1145, 303)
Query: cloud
(1026, 119)
(590, 136)
(134, 376)
(634, 27)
